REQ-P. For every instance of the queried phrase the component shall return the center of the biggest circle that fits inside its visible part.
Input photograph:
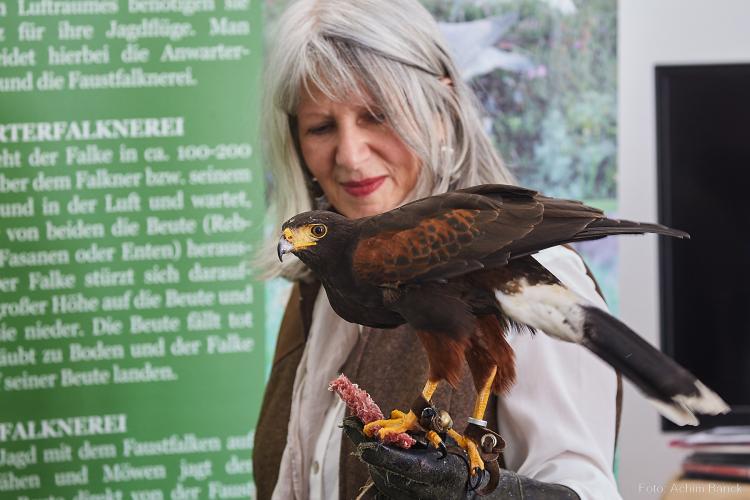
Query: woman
(366, 111)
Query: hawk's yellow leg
(475, 461)
(400, 421)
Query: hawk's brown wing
(444, 236)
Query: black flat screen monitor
(703, 157)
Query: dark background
(703, 123)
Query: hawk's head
(315, 237)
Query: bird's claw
(399, 422)
(475, 461)
(470, 447)
(443, 450)
(436, 441)
(475, 480)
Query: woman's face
(363, 167)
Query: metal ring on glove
(485, 448)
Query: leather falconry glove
(424, 474)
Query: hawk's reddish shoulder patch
(395, 256)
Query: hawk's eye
(318, 230)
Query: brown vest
(390, 364)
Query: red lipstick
(363, 187)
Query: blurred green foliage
(556, 125)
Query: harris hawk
(458, 268)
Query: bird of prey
(458, 268)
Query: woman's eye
(376, 117)
(319, 129)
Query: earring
(320, 202)
(314, 186)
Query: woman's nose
(353, 147)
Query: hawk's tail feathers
(675, 392)
(560, 313)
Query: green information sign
(131, 200)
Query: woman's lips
(363, 187)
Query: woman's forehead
(313, 99)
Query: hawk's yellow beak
(294, 239)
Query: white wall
(655, 32)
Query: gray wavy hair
(391, 51)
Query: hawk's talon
(479, 474)
(475, 460)
(443, 450)
(434, 438)
(398, 423)
(470, 447)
